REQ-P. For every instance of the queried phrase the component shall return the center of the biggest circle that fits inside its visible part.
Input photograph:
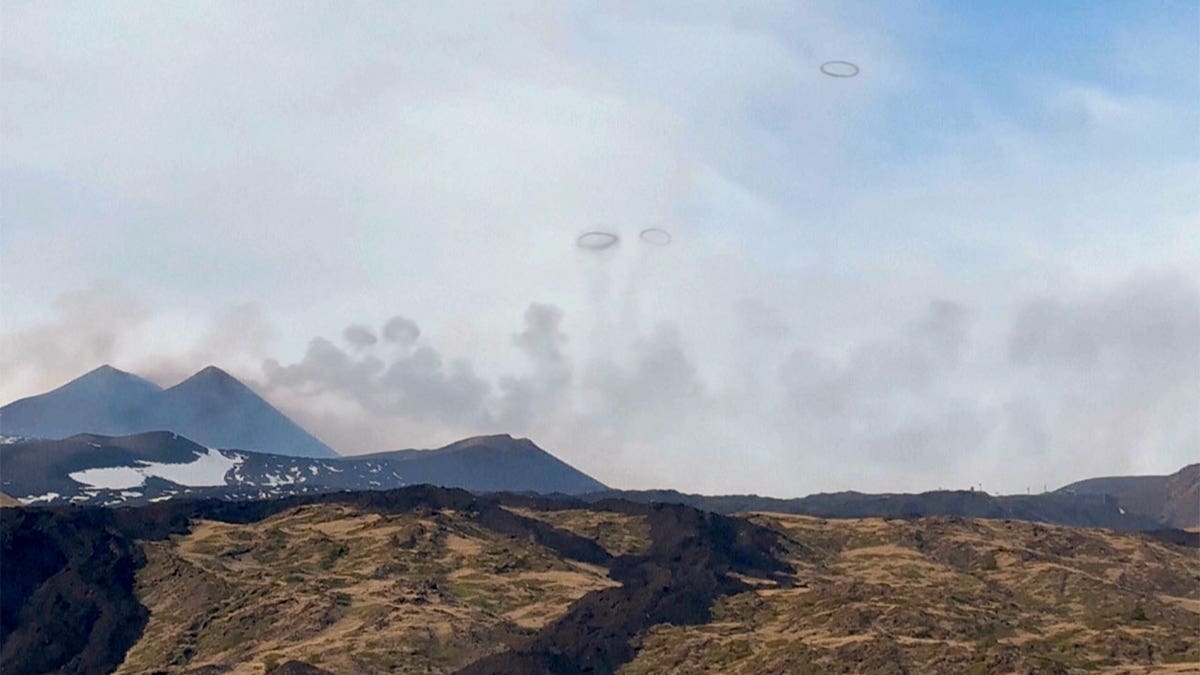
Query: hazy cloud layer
(976, 262)
(1105, 379)
(88, 328)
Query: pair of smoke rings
(600, 240)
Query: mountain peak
(215, 381)
(107, 372)
(212, 374)
(108, 378)
(212, 407)
(501, 442)
(104, 400)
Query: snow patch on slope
(208, 470)
(48, 497)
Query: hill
(1082, 510)
(433, 580)
(1172, 500)
(141, 468)
(211, 407)
(491, 464)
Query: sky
(977, 263)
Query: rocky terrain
(425, 579)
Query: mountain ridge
(90, 469)
(210, 407)
(490, 463)
(124, 471)
(1172, 499)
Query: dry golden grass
(618, 533)
(351, 592)
(946, 595)
(357, 592)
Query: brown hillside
(427, 580)
(348, 591)
(948, 595)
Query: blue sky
(977, 257)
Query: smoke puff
(542, 339)
(88, 328)
(359, 336)
(401, 330)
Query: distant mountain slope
(210, 407)
(1090, 510)
(104, 401)
(491, 464)
(126, 470)
(103, 470)
(1172, 500)
(216, 409)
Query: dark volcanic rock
(1176, 537)
(66, 592)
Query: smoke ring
(839, 69)
(597, 240)
(655, 236)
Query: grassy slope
(348, 591)
(429, 580)
(948, 595)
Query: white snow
(9, 440)
(275, 479)
(207, 470)
(1121, 510)
(313, 469)
(48, 497)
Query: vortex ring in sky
(597, 240)
(839, 69)
(653, 235)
